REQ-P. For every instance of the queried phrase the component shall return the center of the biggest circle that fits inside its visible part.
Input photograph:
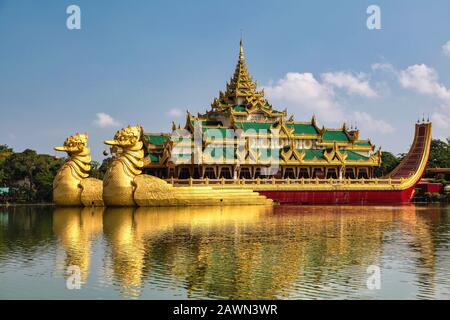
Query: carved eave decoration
(283, 130)
(376, 158)
(353, 135)
(247, 156)
(314, 123)
(189, 119)
(165, 156)
(286, 154)
(320, 131)
(335, 154)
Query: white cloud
(381, 66)
(302, 90)
(353, 84)
(175, 113)
(424, 80)
(446, 49)
(371, 124)
(104, 120)
(440, 120)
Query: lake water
(284, 252)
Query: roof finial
(241, 48)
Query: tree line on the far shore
(28, 176)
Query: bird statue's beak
(111, 142)
(60, 148)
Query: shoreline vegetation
(27, 177)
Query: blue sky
(147, 62)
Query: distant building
(439, 172)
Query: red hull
(340, 197)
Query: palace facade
(243, 137)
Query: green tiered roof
(353, 156)
(254, 125)
(302, 128)
(335, 136)
(158, 140)
(207, 123)
(154, 156)
(310, 154)
(362, 143)
(213, 132)
(242, 106)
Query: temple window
(184, 173)
(289, 173)
(303, 173)
(363, 173)
(210, 173)
(196, 172)
(350, 173)
(245, 173)
(332, 173)
(318, 173)
(226, 172)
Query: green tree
(5, 152)
(388, 163)
(20, 168)
(47, 167)
(95, 170)
(32, 173)
(104, 166)
(98, 171)
(439, 154)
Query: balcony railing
(287, 181)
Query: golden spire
(241, 51)
(241, 90)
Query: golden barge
(240, 152)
